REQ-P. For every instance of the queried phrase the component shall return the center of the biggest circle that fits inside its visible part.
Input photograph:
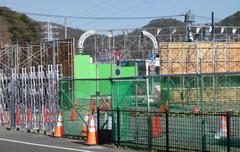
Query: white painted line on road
(41, 145)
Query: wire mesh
(179, 93)
(173, 131)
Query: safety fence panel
(234, 132)
(29, 98)
(80, 99)
(192, 93)
(214, 92)
(139, 93)
(170, 131)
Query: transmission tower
(48, 34)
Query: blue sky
(121, 8)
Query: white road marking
(41, 145)
(93, 147)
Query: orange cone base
(92, 139)
(84, 131)
(84, 134)
(58, 131)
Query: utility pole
(213, 37)
(65, 24)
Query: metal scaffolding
(29, 83)
(217, 62)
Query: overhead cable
(100, 18)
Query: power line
(100, 18)
(208, 18)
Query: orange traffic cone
(92, 139)
(59, 128)
(84, 127)
(18, 117)
(223, 128)
(45, 117)
(29, 116)
(74, 115)
(157, 129)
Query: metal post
(111, 54)
(124, 42)
(213, 26)
(136, 102)
(12, 91)
(136, 87)
(170, 34)
(201, 87)
(113, 113)
(65, 24)
(167, 132)
(118, 127)
(12, 111)
(204, 143)
(25, 88)
(98, 124)
(228, 133)
(147, 84)
(149, 130)
(214, 56)
(96, 63)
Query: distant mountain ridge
(232, 20)
(17, 27)
(164, 23)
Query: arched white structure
(153, 39)
(82, 39)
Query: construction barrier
(172, 131)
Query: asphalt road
(16, 141)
